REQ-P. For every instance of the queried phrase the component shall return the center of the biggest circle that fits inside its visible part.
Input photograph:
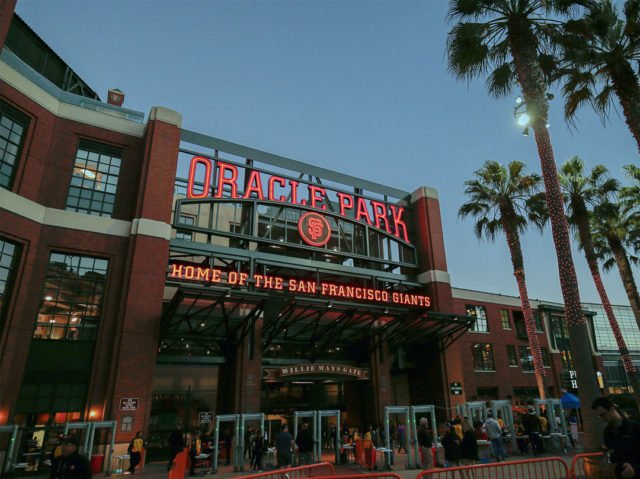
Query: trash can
(96, 463)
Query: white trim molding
(434, 276)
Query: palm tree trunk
(624, 267)
(513, 240)
(587, 246)
(625, 84)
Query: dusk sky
(359, 87)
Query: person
(402, 432)
(621, 439)
(257, 450)
(176, 444)
(451, 444)
(226, 437)
(573, 429)
(518, 429)
(248, 437)
(195, 448)
(304, 441)
(457, 426)
(469, 444)
(136, 446)
(70, 464)
(284, 445)
(494, 432)
(532, 429)
(425, 442)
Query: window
(537, 319)
(13, 126)
(480, 315)
(526, 359)
(560, 339)
(188, 221)
(482, 357)
(525, 392)
(488, 393)
(546, 362)
(9, 254)
(504, 317)
(72, 298)
(511, 355)
(94, 180)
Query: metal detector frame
(320, 415)
(396, 410)
(235, 418)
(8, 459)
(503, 406)
(314, 424)
(550, 406)
(90, 436)
(469, 409)
(413, 410)
(241, 445)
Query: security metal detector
(7, 464)
(80, 425)
(92, 432)
(396, 410)
(314, 427)
(551, 405)
(413, 410)
(503, 407)
(476, 410)
(241, 446)
(235, 418)
(320, 415)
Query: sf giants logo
(314, 229)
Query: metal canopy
(217, 318)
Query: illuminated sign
(316, 369)
(384, 216)
(279, 283)
(314, 229)
(129, 404)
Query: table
(201, 460)
(380, 454)
(347, 448)
(119, 468)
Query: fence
(546, 468)
(321, 469)
(379, 475)
(578, 471)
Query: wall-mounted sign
(205, 417)
(316, 370)
(129, 404)
(279, 283)
(573, 377)
(314, 229)
(384, 216)
(456, 389)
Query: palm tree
(507, 199)
(599, 53)
(581, 190)
(506, 35)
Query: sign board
(573, 377)
(205, 417)
(129, 404)
(456, 388)
(317, 369)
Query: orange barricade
(322, 469)
(546, 468)
(380, 475)
(577, 465)
(179, 466)
(358, 452)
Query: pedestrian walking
(176, 444)
(135, 448)
(304, 441)
(258, 448)
(451, 444)
(70, 464)
(494, 432)
(425, 442)
(284, 446)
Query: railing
(577, 465)
(546, 468)
(373, 475)
(321, 469)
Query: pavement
(159, 470)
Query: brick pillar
(6, 14)
(135, 348)
(433, 274)
(248, 378)
(381, 381)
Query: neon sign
(314, 229)
(385, 216)
(279, 283)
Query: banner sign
(456, 389)
(262, 281)
(315, 370)
(129, 404)
(205, 417)
(384, 216)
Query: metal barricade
(373, 475)
(577, 465)
(321, 469)
(545, 468)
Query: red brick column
(136, 344)
(381, 381)
(248, 380)
(6, 14)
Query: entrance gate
(558, 431)
(396, 410)
(242, 446)
(414, 410)
(503, 407)
(316, 424)
(235, 418)
(474, 411)
(6, 457)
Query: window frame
(508, 319)
(482, 363)
(514, 356)
(474, 310)
(22, 120)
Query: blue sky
(357, 86)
